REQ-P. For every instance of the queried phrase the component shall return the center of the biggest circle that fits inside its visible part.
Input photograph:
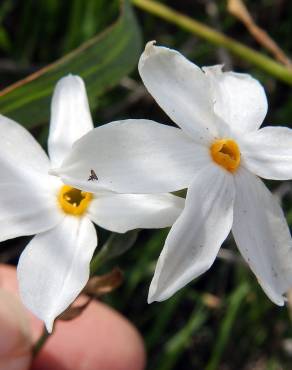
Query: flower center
(225, 152)
(73, 201)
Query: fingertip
(15, 338)
(98, 339)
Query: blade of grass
(101, 61)
(235, 302)
(161, 321)
(177, 344)
(217, 38)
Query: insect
(92, 176)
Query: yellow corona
(226, 153)
(73, 201)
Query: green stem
(41, 341)
(116, 245)
(97, 261)
(217, 38)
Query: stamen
(73, 201)
(225, 152)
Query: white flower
(218, 155)
(54, 267)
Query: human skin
(99, 338)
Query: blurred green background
(222, 320)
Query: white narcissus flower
(54, 267)
(218, 155)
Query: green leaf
(102, 61)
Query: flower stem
(116, 245)
(41, 341)
(97, 261)
(260, 60)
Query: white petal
(262, 235)
(195, 238)
(27, 199)
(20, 153)
(124, 212)
(240, 100)
(70, 117)
(181, 89)
(268, 152)
(54, 267)
(26, 210)
(134, 156)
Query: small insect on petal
(92, 176)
